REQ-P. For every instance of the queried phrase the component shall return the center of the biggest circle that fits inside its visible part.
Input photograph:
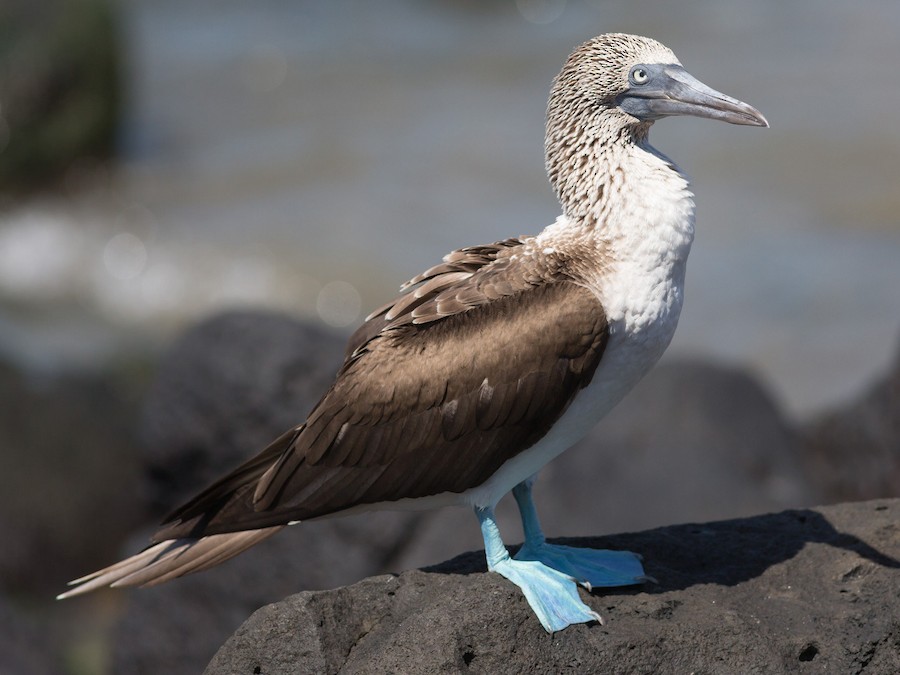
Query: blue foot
(553, 596)
(591, 568)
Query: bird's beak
(671, 90)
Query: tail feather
(170, 559)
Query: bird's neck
(616, 189)
(626, 204)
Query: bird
(492, 363)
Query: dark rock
(799, 591)
(66, 466)
(227, 388)
(693, 441)
(23, 649)
(853, 451)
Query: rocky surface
(813, 590)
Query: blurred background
(164, 161)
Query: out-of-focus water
(311, 156)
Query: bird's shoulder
(420, 296)
(466, 279)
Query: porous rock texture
(815, 590)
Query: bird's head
(635, 81)
(611, 90)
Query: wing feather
(472, 365)
(425, 410)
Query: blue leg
(589, 567)
(553, 596)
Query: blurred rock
(853, 451)
(794, 592)
(227, 388)
(59, 87)
(693, 441)
(67, 471)
(23, 649)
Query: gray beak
(671, 90)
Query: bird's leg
(552, 595)
(531, 525)
(589, 567)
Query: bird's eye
(639, 75)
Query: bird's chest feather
(641, 285)
(648, 232)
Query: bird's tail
(170, 559)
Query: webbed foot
(592, 568)
(552, 595)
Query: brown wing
(454, 383)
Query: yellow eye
(639, 75)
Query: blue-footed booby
(494, 362)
